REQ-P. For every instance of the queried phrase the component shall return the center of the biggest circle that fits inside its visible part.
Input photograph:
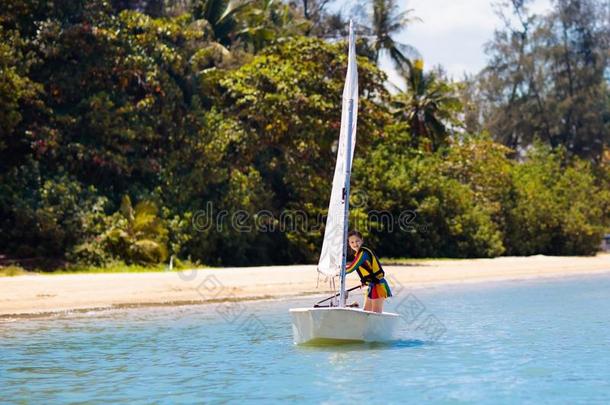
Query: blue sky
(452, 33)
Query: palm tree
(222, 17)
(429, 105)
(386, 21)
(137, 234)
(267, 21)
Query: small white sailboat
(338, 323)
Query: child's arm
(360, 258)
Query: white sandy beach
(34, 295)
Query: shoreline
(41, 296)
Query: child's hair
(354, 233)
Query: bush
(45, 217)
(11, 271)
(136, 235)
(90, 253)
(449, 221)
(558, 207)
(147, 252)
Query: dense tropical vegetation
(132, 131)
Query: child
(369, 269)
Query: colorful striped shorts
(380, 289)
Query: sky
(452, 33)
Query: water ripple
(513, 342)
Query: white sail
(331, 258)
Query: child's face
(354, 242)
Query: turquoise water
(513, 342)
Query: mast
(348, 170)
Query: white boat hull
(312, 325)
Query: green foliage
(11, 271)
(268, 21)
(221, 121)
(485, 167)
(45, 216)
(285, 101)
(137, 235)
(19, 98)
(557, 209)
(474, 201)
(429, 105)
(222, 17)
(89, 253)
(435, 214)
(111, 267)
(547, 78)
